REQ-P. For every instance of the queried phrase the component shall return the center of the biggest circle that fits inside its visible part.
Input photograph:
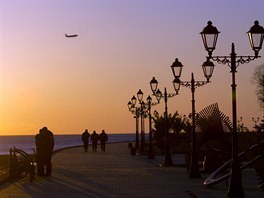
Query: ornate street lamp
(168, 158)
(209, 37)
(129, 105)
(176, 68)
(142, 112)
(140, 95)
(176, 84)
(256, 36)
(154, 85)
(134, 110)
(208, 70)
(150, 151)
(133, 100)
(156, 92)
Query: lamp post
(142, 112)
(138, 111)
(134, 110)
(176, 66)
(150, 150)
(209, 37)
(194, 167)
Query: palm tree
(179, 128)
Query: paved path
(116, 173)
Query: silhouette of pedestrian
(40, 152)
(94, 140)
(103, 137)
(85, 139)
(44, 148)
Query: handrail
(212, 178)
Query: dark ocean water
(27, 142)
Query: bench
(21, 165)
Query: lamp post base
(235, 185)
(194, 171)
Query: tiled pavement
(116, 173)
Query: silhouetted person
(85, 139)
(94, 140)
(40, 152)
(103, 137)
(44, 144)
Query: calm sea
(27, 142)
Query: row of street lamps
(142, 111)
(209, 37)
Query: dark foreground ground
(116, 173)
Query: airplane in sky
(71, 35)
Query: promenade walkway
(116, 173)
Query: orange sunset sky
(70, 84)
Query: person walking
(94, 140)
(85, 139)
(103, 137)
(45, 145)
